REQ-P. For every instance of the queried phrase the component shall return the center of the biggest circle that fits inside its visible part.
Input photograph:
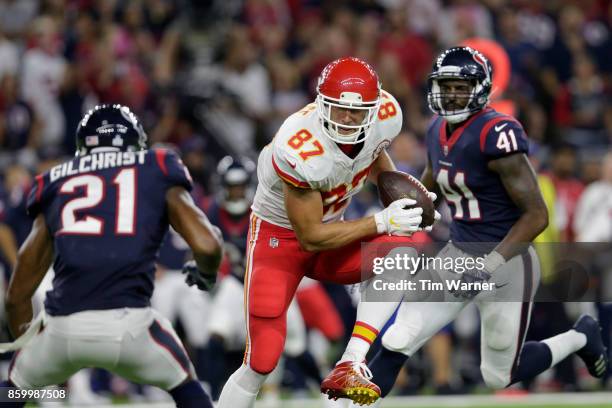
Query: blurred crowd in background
(217, 77)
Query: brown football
(393, 185)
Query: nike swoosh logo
(500, 127)
(392, 222)
(290, 164)
(501, 286)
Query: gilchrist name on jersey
(107, 214)
(96, 161)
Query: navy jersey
(235, 231)
(4, 264)
(16, 216)
(13, 215)
(482, 209)
(107, 215)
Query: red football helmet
(348, 83)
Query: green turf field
(549, 400)
(543, 400)
(552, 400)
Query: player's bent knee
(499, 334)
(499, 341)
(494, 379)
(397, 338)
(266, 349)
(402, 335)
(264, 365)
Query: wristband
(493, 261)
(381, 227)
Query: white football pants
(503, 323)
(137, 344)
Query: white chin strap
(349, 100)
(457, 117)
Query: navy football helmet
(114, 126)
(460, 63)
(236, 179)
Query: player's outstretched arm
(191, 223)
(305, 211)
(520, 182)
(33, 261)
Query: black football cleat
(594, 354)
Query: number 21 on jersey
(457, 194)
(95, 191)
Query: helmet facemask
(236, 189)
(347, 100)
(436, 99)
(237, 199)
(460, 64)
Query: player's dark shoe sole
(594, 354)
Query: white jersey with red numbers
(303, 156)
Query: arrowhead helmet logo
(273, 242)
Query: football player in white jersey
(320, 157)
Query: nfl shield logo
(273, 242)
(445, 150)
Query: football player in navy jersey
(231, 207)
(477, 161)
(99, 220)
(230, 210)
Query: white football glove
(397, 220)
(437, 215)
(493, 261)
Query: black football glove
(470, 276)
(196, 277)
